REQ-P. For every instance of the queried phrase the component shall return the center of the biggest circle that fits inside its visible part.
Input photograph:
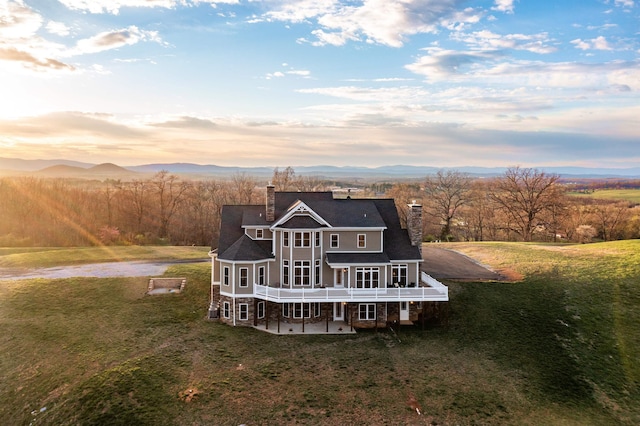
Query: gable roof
(234, 244)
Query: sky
(443, 83)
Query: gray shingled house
(307, 258)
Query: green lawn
(562, 346)
(54, 256)
(632, 195)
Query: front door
(338, 311)
(341, 277)
(404, 311)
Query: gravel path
(98, 270)
(442, 263)
(439, 262)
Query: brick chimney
(271, 203)
(414, 224)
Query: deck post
(326, 314)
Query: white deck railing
(430, 290)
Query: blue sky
(275, 83)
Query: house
(307, 258)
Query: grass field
(632, 195)
(53, 256)
(560, 347)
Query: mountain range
(68, 168)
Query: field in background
(562, 346)
(20, 257)
(631, 195)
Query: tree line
(520, 205)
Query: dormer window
(362, 240)
(259, 234)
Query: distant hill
(100, 171)
(66, 168)
(18, 164)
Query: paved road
(442, 263)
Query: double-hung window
(225, 275)
(362, 240)
(261, 275)
(261, 309)
(243, 309)
(335, 240)
(244, 277)
(226, 310)
(367, 311)
(302, 239)
(285, 272)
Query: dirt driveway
(442, 263)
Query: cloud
(114, 6)
(18, 21)
(21, 44)
(624, 3)
(114, 39)
(58, 28)
(503, 6)
(441, 64)
(68, 123)
(291, 71)
(30, 61)
(372, 21)
(186, 122)
(598, 43)
(487, 40)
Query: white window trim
(364, 241)
(337, 242)
(226, 275)
(366, 311)
(259, 234)
(246, 278)
(243, 311)
(262, 277)
(303, 242)
(261, 308)
(361, 271)
(299, 268)
(226, 310)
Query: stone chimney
(414, 224)
(271, 203)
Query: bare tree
(524, 194)
(446, 192)
(610, 218)
(284, 180)
(169, 192)
(243, 189)
(403, 194)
